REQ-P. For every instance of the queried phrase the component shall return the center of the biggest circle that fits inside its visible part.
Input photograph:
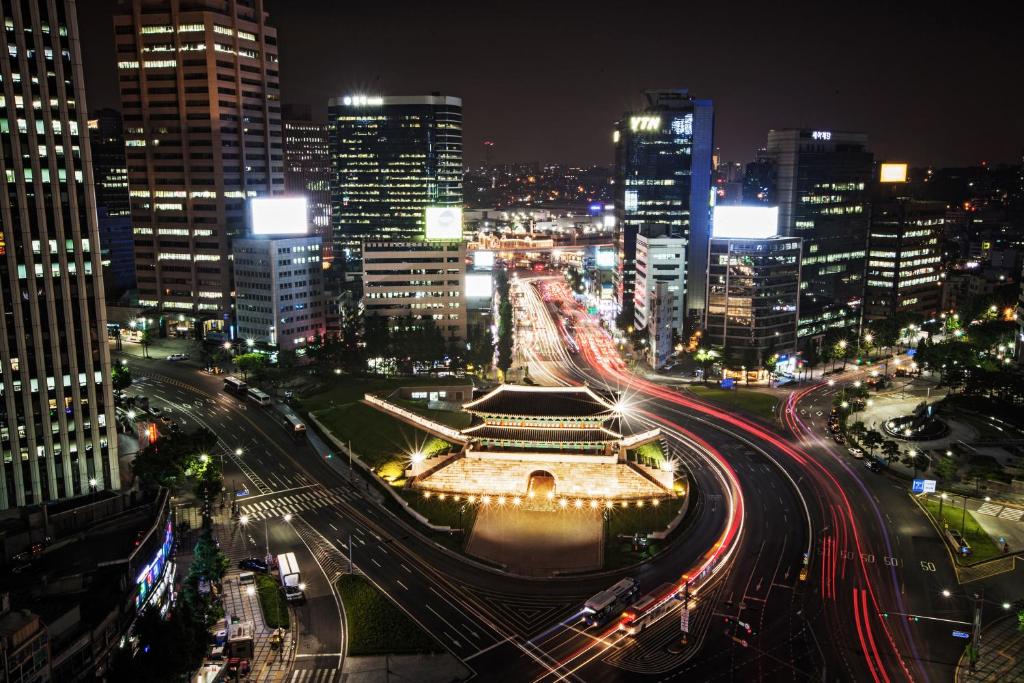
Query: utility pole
(979, 598)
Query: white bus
(235, 386)
(291, 579)
(259, 397)
(295, 425)
(649, 608)
(610, 603)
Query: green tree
(120, 376)
(705, 358)
(250, 362)
(146, 338)
(891, 451)
(857, 430)
(505, 323)
(872, 439)
(946, 468)
(208, 561)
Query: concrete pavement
(1002, 655)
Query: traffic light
(885, 614)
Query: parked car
(856, 452)
(256, 564)
(178, 356)
(873, 465)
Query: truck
(291, 579)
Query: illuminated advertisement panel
(443, 223)
(893, 173)
(605, 259)
(483, 260)
(478, 286)
(745, 222)
(150, 583)
(278, 216)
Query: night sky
(931, 83)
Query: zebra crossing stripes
(991, 509)
(293, 503)
(315, 676)
(1012, 514)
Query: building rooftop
(523, 401)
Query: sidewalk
(440, 668)
(1002, 655)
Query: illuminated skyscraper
(392, 158)
(821, 186)
(114, 216)
(307, 170)
(663, 180)
(56, 411)
(202, 116)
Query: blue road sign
(918, 486)
(961, 634)
(728, 383)
(911, 352)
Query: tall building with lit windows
(57, 433)
(392, 158)
(663, 180)
(113, 211)
(202, 116)
(821, 180)
(307, 169)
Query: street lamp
(979, 601)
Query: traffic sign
(961, 634)
(923, 486)
(728, 383)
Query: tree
(146, 338)
(505, 330)
(706, 359)
(120, 376)
(250, 362)
(946, 468)
(872, 439)
(891, 451)
(168, 460)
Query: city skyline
(555, 96)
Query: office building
(660, 260)
(904, 259)
(307, 170)
(821, 180)
(403, 280)
(56, 410)
(279, 277)
(113, 211)
(663, 180)
(753, 285)
(392, 158)
(202, 116)
(24, 645)
(660, 329)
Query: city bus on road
(259, 397)
(296, 426)
(649, 608)
(235, 386)
(610, 603)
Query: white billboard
(483, 260)
(605, 258)
(478, 286)
(278, 216)
(443, 223)
(745, 222)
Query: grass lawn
(618, 552)
(452, 418)
(757, 403)
(983, 547)
(272, 602)
(444, 513)
(348, 389)
(376, 626)
(383, 442)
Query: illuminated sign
(443, 223)
(893, 173)
(923, 486)
(745, 222)
(478, 286)
(483, 260)
(278, 216)
(149, 578)
(362, 101)
(632, 200)
(605, 258)
(683, 125)
(644, 123)
(821, 135)
(3, 243)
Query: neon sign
(821, 135)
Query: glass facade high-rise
(57, 431)
(663, 180)
(821, 186)
(113, 211)
(202, 116)
(307, 170)
(392, 158)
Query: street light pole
(979, 599)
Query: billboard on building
(278, 216)
(443, 223)
(605, 259)
(893, 173)
(483, 260)
(745, 222)
(479, 286)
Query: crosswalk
(315, 676)
(1002, 512)
(293, 503)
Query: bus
(259, 397)
(235, 386)
(291, 579)
(649, 608)
(610, 603)
(295, 425)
